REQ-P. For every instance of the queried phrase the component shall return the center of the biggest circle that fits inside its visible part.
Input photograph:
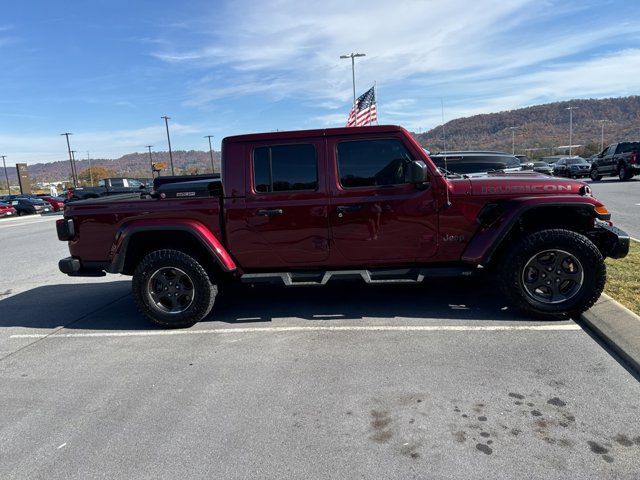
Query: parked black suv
(619, 159)
(571, 167)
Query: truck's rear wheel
(624, 173)
(172, 289)
(553, 273)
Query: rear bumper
(75, 268)
(614, 242)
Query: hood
(527, 184)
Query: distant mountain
(542, 126)
(131, 165)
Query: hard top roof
(325, 132)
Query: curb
(617, 327)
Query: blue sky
(107, 70)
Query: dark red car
(56, 203)
(7, 210)
(301, 208)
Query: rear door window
(285, 168)
(368, 163)
(628, 147)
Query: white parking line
(9, 225)
(372, 328)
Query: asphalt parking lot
(433, 381)
(623, 201)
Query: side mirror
(416, 173)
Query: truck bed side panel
(97, 223)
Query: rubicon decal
(525, 189)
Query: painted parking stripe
(371, 328)
(9, 225)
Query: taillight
(66, 229)
(633, 158)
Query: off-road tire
(511, 273)
(594, 175)
(204, 289)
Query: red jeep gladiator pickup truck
(304, 207)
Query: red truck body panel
(389, 225)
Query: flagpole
(375, 95)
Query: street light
(6, 175)
(166, 123)
(352, 56)
(73, 168)
(213, 170)
(150, 159)
(73, 161)
(513, 140)
(571, 109)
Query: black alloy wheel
(552, 276)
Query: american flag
(364, 112)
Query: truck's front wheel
(172, 289)
(553, 273)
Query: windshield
(465, 164)
(576, 161)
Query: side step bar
(406, 275)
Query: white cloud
(417, 51)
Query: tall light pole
(513, 140)
(73, 169)
(90, 173)
(213, 169)
(602, 122)
(150, 159)
(571, 109)
(6, 175)
(166, 123)
(73, 161)
(352, 56)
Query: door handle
(269, 212)
(348, 208)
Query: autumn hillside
(130, 165)
(542, 126)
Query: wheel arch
(134, 241)
(510, 219)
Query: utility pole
(90, 173)
(352, 56)
(213, 169)
(571, 109)
(6, 175)
(150, 159)
(513, 140)
(602, 122)
(166, 123)
(73, 169)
